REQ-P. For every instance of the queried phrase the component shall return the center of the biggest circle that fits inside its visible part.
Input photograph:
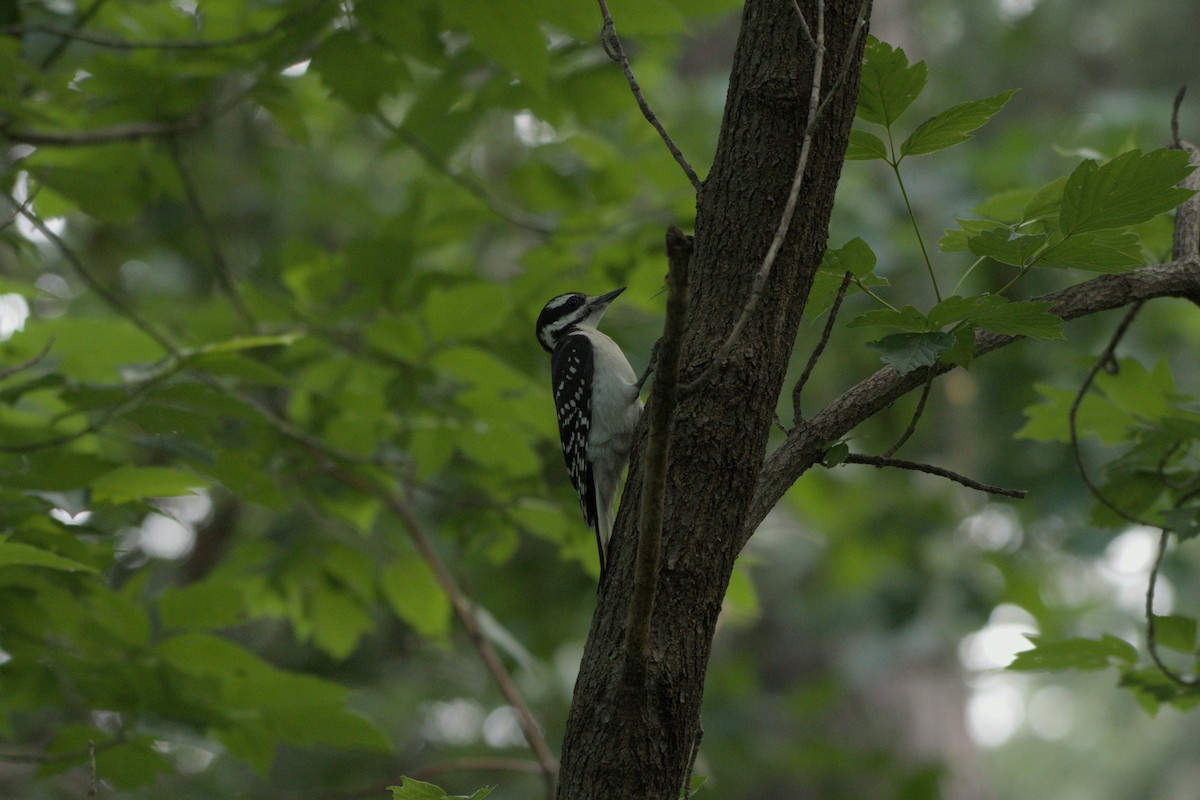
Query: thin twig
(114, 300)
(654, 480)
(916, 417)
(804, 24)
(1151, 634)
(517, 217)
(614, 49)
(124, 132)
(458, 602)
(797, 416)
(522, 765)
(91, 768)
(899, 463)
(220, 266)
(1073, 415)
(78, 23)
(30, 196)
(119, 43)
(1176, 143)
(8, 372)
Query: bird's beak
(603, 300)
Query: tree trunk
(640, 747)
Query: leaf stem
(865, 290)
(894, 163)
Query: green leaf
(1175, 632)
(835, 455)
(25, 555)
(1078, 654)
(1097, 416)
(908, 351)
(205, 605)
(954, 125)
(129, 765)
(507, 31)
(865, 146)
(1151, 688)
(888, 84)
(125, 484)
(1046, 202)
(956, 240)
(1006, 246)
(410, 789)
(855, 257)
(358, 71)
(905, 319)
(469, 311)
(1183, 522)
(1127, 190)
(963, 352)
(1104, 251)
(995, 313)
(414, 594)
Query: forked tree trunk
(619, 748)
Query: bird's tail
(604, 528)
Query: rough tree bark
(640, 747)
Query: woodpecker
(596, 395)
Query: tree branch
(797, 415)
(916, 417)
(614, 49)
(805, 445)
(654, 480)
(221, 270)
(519, 218)
(125, 132)
(884, 461)
(458, 601)
(115, 301)
(815, 108)
(118, 43)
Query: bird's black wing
(571, 371)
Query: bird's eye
(575, 302)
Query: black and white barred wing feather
(571, 365)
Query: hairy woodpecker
(596, 396)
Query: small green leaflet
(1130, 189)
(357, 71)
(125, 484)
(1151, 688)
(410, 789)
(835, 455)
(1103, 251)
(1183, 522)
(954, 125)
(1006, 246)
(908, 351)
(904, 319)
(990, 312)
(1176, 632)
(20, 554)
(888, 85)
(865, 146)
(1079, 654)
(994, 313)
(1045, 202)
(957, 240)
(855, 257)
